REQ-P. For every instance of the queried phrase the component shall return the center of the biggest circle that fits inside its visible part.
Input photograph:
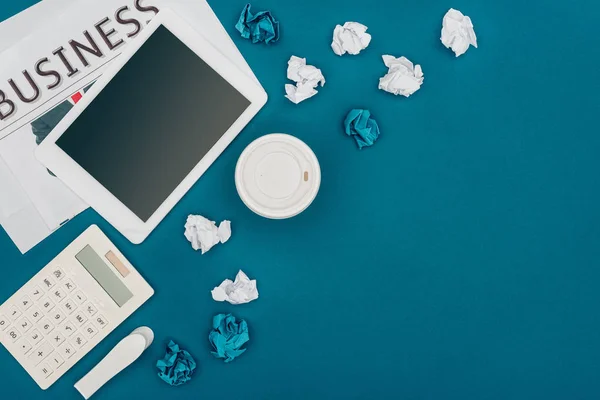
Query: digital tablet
(151, 125)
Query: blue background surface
(458, 258)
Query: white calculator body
(73, 303)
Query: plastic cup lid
(278, 176)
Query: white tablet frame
(100, 198)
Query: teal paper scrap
(177, 367)
(260, 27)
(362, 127)
(228, 336)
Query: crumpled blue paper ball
(362, 127)
(260, 27)
(177, 367)
(228, 336)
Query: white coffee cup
(278, 176)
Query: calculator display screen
(104, 275)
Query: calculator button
(58, 273)
(55, 360)
(57, 338)
(45, 326)
(57, 316)
(3, 323)
(14, 313)
(90, 309)
(45, 369)
(66, 350)
(48, 282)
(68, 306)
(100, 321)
(37, 293)
(46, 304)
(13, 334)
(78, 341)
(34, 314)
(24, 325)
(40, 354)
(34, 336)
(59, 294)
(79, 319)
(69, 285)
(68, 328)
(90, 330)
(80, 297)
(24, 346)
(25, 303)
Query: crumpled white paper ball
(242, 291)
(350, 38)
(203, 233)
(307, 78)
(402, 78)
(457, 32)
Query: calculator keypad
(51, 323)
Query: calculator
(67, 308)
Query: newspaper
(35, 17)
(45, 74)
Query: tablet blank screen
(153, 122)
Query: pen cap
(120, 357)
(278, 176)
